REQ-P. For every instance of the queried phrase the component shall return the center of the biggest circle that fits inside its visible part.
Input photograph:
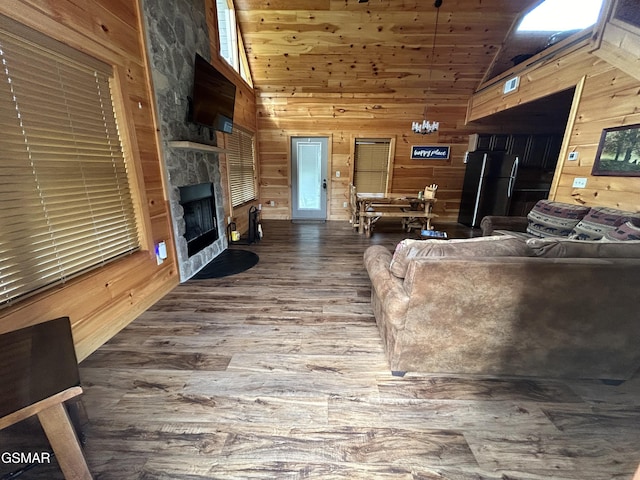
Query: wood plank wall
(345, 117)
(244, 116)
(343, 69)
(106, 300)
(607, 97)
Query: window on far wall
(231, 45)
(371, 165)
(65, 203)
(241, 166)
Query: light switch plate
(579, 182)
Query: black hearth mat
(229, 262)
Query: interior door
(309, 159)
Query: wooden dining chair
(38, 374)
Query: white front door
(309, 159)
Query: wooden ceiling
(378, 48)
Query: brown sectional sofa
(505, 305)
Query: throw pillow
(569, 248)
(554, 219)
(625, 232)
(598, 222)
(492, 246)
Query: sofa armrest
(491, 223)
(388, 288)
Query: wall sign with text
(430, 152)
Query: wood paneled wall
(106, 300)
(342, 69)
(605, 97)
(342, 119)
(609, 99)
(244, 115)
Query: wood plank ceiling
(382, 47)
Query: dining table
(414, 212)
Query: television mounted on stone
(213, 97)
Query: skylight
(561, 15)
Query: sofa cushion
(599, 221)
(554, 219)
(491, 246)
(627, 231)
(570, 248)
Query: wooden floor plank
(280, 373)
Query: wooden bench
(38, 373)
(410, 219)
(367, 209)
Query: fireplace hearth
(199, 207)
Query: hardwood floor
(279, 373)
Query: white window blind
(371, 165)
(241, 166)
(65, 203)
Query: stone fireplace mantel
(202, 147)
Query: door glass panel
(309, 176)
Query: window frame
(390, 159)
(30, 277)
(233, 41)
(248, 178)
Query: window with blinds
(241, 166)
(65, 201)
(371, 165)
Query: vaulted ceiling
(377, 48)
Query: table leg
(63, 440)
(362, 218)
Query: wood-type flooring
(279, 373)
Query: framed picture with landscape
(619, 152)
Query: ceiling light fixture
(426, 126)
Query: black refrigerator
(488, 186)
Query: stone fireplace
(176, 30)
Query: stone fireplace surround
(176, 30)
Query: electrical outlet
(272, 203)
(573, 156)
(344, 204)
(579, 182)
(337, 173)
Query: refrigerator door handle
(512, 178)
(476, 207)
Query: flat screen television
(213, 97)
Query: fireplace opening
(199, 206)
